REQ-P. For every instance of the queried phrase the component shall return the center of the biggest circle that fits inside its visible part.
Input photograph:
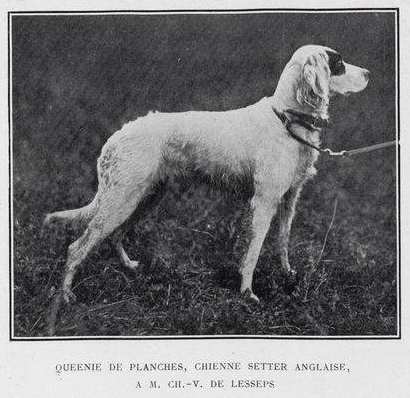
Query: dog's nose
(366, 74)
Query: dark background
(78, 79)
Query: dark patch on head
(336, 65)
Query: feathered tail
(77, 217)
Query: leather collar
(310, 126)
(310, 122)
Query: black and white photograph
(204, 174)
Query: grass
(188, 282)
(71, 94)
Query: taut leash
(365, 149)
(313, 124)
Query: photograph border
(394, 10)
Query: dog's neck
(285, 98)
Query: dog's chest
(305, 168)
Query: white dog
(264, 145)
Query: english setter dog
(255, 145)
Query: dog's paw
(291, 281)
(249, 294)
(132, 265)
(69, 297)
(293, 274)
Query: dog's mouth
(344, 94)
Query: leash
(315, 123)
(365, 149)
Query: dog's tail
(78, 218)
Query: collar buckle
(319, 122)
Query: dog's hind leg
(77, 253)
(148, 203)
(123, 256)
(115, 206)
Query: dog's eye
(338, 68)
(336, 65)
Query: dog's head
(322, 72)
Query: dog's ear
(313, 88)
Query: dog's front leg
(286, 213)
(263, 208)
